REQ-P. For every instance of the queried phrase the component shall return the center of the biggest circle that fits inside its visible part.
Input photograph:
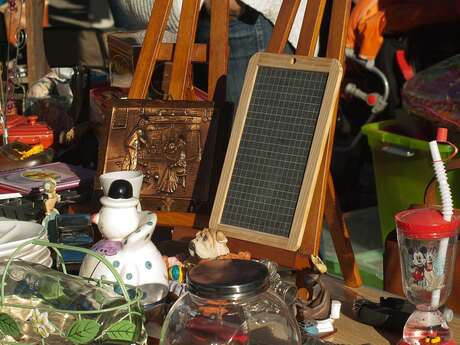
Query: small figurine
(209, 244)
(52, 198)
(314, 299)
(176, 275)
(127, 242)
(176, 269)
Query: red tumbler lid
(425, 223)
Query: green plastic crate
(403, 168)
(370, 265)
(363, 226)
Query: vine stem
(61, 334)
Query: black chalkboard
(274, 143)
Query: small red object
(216, 330)
(406, 69)
(371, 99)
(425, 223)
(32, 119)
(14, 120)
(441, 135)
(31, 132)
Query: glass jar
(228, 302)
(285, 290)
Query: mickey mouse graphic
(434, 274)
(418, 264)
(431, 255)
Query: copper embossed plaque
(172, 143)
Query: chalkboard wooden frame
(333, 68)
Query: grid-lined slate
(273, 151)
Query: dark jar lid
(228, 279)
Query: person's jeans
(247, 36)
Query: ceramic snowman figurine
(127, 243)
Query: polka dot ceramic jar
(127, 244)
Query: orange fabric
(370, 19)
(363, 11)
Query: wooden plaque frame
(334, 70)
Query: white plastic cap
(335, 309)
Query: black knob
(120, 189)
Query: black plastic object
(74, 230)
(390, 314)
(69, 197)
(21, 209)
(120, 189)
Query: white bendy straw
(447, 209)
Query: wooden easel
(324, 191)
(324, 202)
(37, 65)
(185, 51)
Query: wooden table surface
(352, 332)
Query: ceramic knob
(120, 189)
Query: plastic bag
(434, 93)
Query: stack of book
(26, 180)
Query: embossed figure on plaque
(175, 173)
(133, 145)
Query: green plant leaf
(83, 331)
(8, 326)
(122, 330)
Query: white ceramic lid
(13, 233)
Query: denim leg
(245, 39)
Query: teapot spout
(95, 218)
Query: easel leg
(37, 66)
(330, 209)
(341, 237)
